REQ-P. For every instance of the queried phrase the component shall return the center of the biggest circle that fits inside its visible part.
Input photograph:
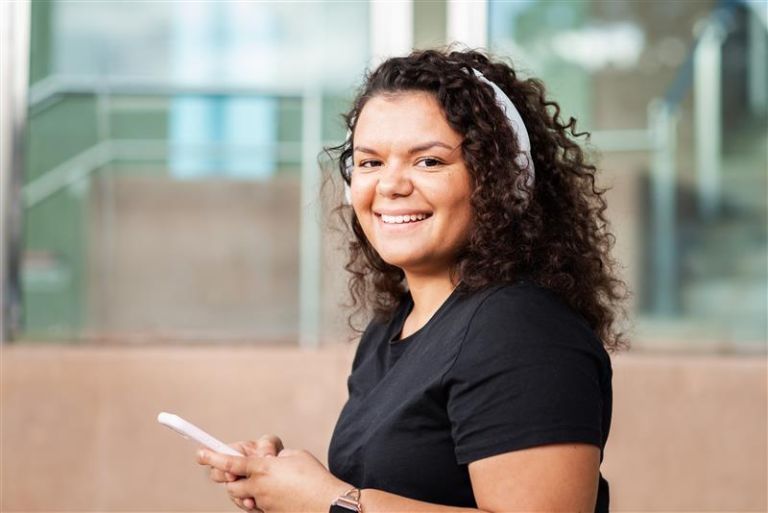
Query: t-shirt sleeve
(528, 373)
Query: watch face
(335, 508)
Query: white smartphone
(190, 431)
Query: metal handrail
(67, 173)
(108, 151)
(720, 18)
(46, 90)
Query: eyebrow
(415, 149)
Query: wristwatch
(350, 501)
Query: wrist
(334, 490)
(348, 501)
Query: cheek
(361, 197)
(462, 214)
(465, 198)
(462, 219)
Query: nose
(394, 181)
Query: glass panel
(694, 246)
(163, 177)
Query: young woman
(480, 245)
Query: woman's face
(410, 187)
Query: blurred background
(169, 243)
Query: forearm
(377, 501)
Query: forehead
(403, 117)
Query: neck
(429, 292)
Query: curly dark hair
(554, 231)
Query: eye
(429, 162)
(368, 164)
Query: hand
(293, 481)
(267, 445)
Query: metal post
(310, 246)
(467, 22)
(14, 73)
(707, 119)
(99, 314)
(757, 53)
(391, 29)
(663, 127)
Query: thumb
(267, 445)
(288, 453)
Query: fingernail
(200, 454)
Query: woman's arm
(561, 477)
(296, 481)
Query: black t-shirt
(494, 371)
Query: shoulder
(525, 306)
(523, 319)
(529, 372)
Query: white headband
(523, 159)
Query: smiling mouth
(403, 219)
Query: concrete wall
(206, 259)
(79, 430)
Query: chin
(409, 262)
(398, 259)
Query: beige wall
(199, 259)
(79, 430)
(206, 260)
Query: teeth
(408, 218)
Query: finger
(273, 441)
(249, 503)
(257, 448)
(216, 475)
(288, 452)
(266, 445)
(219, 476)
(244, 447)
(239, 489)
(240, 504)
(233, 464)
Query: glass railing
(171, 184)
(675, 99)
(136, 230)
